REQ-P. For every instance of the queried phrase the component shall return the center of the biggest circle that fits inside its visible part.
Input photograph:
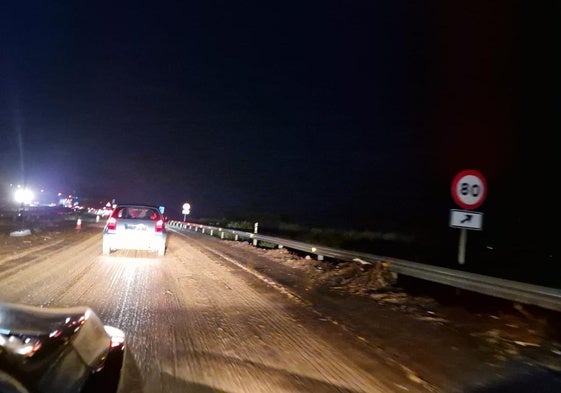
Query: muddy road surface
(217, 316)
(198, 323)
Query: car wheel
(107, 379)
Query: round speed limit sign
(469, 189)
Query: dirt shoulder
(452, 341)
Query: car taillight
(159, 225)
(111, 223)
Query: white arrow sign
(466, 219)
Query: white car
(135, 227)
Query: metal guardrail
(545, 297)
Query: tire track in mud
(228, 256)
(195, 322)
(254, 335)
(43, 279)
(11, 264)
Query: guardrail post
(255, 226)
(221, 235)
(236, 237)
(211, 232)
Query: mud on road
(443, 339)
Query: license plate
(137, 227)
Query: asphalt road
(195, 323)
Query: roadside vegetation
(388, 243)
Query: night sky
(356, 113)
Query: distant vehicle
(135, 227)
(58, 350)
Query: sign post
(469, 190)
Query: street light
(23, 196)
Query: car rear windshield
(138, 213)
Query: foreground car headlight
(25, 346)
(117, 336)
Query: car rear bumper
(113, 241)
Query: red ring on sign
(454, 189)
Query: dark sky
(355, 113)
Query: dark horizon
(353, 115)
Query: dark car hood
(55, 349)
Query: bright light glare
(117, 336)
(23, 195)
